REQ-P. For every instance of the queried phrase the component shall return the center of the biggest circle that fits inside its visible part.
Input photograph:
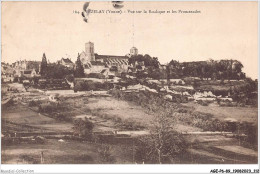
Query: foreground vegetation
(154, 103)
(164, 144)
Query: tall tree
(79, 70)
(43, 65)
(163, 144)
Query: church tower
(133, 51)
(90, 54)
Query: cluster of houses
(104, 68)
(18, 69)
(107, 65)
(175, 88)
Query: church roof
(67, 60)
(97, 63)
(109, 57)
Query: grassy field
(120, 109)
(124, 111)
(23, 115)
(18, 117)
(241, 114)
(67, 152)
(109, 114)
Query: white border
(90, 168)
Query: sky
(222, 30)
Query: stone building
(66, 62)
(93, 62)
(23, 65)
(133, 51)
(89, 54)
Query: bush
(227, 103)
(105, 154)
(90, 85)
(34, 103)
(47, 108)
(70, 77)
(182, 110)
(204, 103)
(130, 124)
(29, 159)
(96, 75)
(83, 127)
(63, 117)
(55, 110)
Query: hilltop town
(115, 104)
(198, 80)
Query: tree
(43, 65)
(147, 59)
(223, 69)
(57, 71)
(237, 70)
(105, 154)
(83, 127)
(79, 70)
(163, 144)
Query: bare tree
(163, 144)
(105, 154)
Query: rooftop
(67, 60)
(109, 57)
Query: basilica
(95, 63)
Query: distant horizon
(217, 33)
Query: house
(26, 68)
(206, 95)
(87, 67)
(28, 73)
(135, 87)
(131, 70)
(168, 97)
(139, 65)
(177, 81)
(93, 67)
(154, 82)
(7, 78)
(130, 77)
(7, 73)
(27, 65)
(225, 99)
(106, 72)
(149, 89)
(36, 65)
(66, 62)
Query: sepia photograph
(129, 82)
